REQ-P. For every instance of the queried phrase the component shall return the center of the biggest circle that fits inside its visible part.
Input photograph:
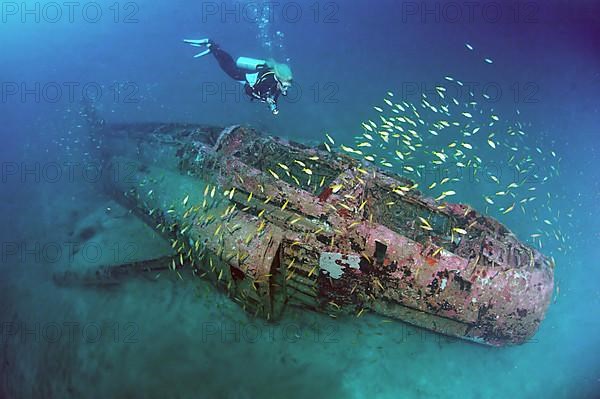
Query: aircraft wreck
(276, 223)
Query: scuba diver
(264, 80)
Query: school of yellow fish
(450, 147)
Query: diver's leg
(227, 63)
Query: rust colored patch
(236, 273)
(325, 194)
(343, 212)
(431, 261)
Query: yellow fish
(509, 209)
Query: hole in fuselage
(380, 250)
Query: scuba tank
(250, 64)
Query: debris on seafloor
(276, 223)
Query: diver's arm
(272, 98)
(272, 102)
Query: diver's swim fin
(199, 43)
(202, 54)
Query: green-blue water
(170, 338)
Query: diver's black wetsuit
(264, 89)
(227, 63)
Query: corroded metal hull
(276, 223)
